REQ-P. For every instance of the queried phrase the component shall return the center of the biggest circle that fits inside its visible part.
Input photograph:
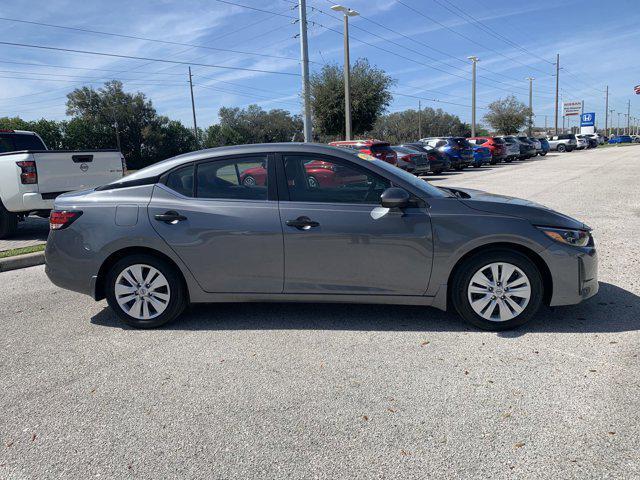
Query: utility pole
(193, 110)
(419, 119)
(618, 128)
(347, 12)
(304, 55)
(557, 90)
(628, 116)
(606, 109)
(474, 61)
(531, 79)
(612, 111)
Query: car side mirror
(394, 197)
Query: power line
(256, 9)
(146, 39)
(150, 59)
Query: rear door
(221, 217)
(337, 237)
(60, 171)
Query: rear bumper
(67, 264)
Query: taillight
(366, 151)
(28, 174)
(59, 219)
(431, 157)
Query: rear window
(14, 142)
(381, 148)
(569, 136)
(498, 141)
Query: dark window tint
(498, 141)
(181, 181)
(459, 142)
(381, 148)
(28, 142)
(441, 143)
(6, 144)
(240, 179)
(320, 179)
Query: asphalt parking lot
(340, 391)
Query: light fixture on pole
(474, 61)
(347, 12)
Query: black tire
(438, 172)
(543, 154)
(177, 301)
(8, 222)
(562, 148)
(465, 272)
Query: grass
(22, 251)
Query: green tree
(401, 127)
(370, 96)
(507, 115)
(253, 125)
(165, 138)
(80, 134)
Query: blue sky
(424, 49)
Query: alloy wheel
(499, 292)
(142, 291)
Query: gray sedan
(312, 223)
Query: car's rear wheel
(145, 291)
(562, 148)
(497, 290)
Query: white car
(31, 176)
(583, 143)
(599, 138)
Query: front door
(339, 240)
(221, 219)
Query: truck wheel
(8, 222)
(561, 148)
(497, 289)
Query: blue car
(621, 139)
(456, 149)
(481, 156)
(545, 146)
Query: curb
(21, 261)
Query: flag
(637, 89)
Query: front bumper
(574, 273)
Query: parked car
(529, 150)
(376, 148)
(411, 160)
(457, 150)
(544, 144)
(496, 145)
(31, 176)
(481, 156)
(598, 138)
(188, 230)
(438, 161)
(590, 142)
(565, 142)
(620, 139)
(513, 148)
(536, 143)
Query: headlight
(577, 238)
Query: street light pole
(611, 112)
(347, 12)
(474, 61)
(618, 128)
(531, 79)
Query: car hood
(517, 207)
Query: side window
(321, 179)
(181, 181)
(6, 144)
(240, 179)
(28, 142)
(441, 143)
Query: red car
(497, 146)
(376, 148)
(319, 174)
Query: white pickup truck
(31, 176)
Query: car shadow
(612, 310)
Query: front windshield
(422, 185)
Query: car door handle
(170, 217)
(302, 223)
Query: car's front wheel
(145, 291)
(497, 290)
(561, 148)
